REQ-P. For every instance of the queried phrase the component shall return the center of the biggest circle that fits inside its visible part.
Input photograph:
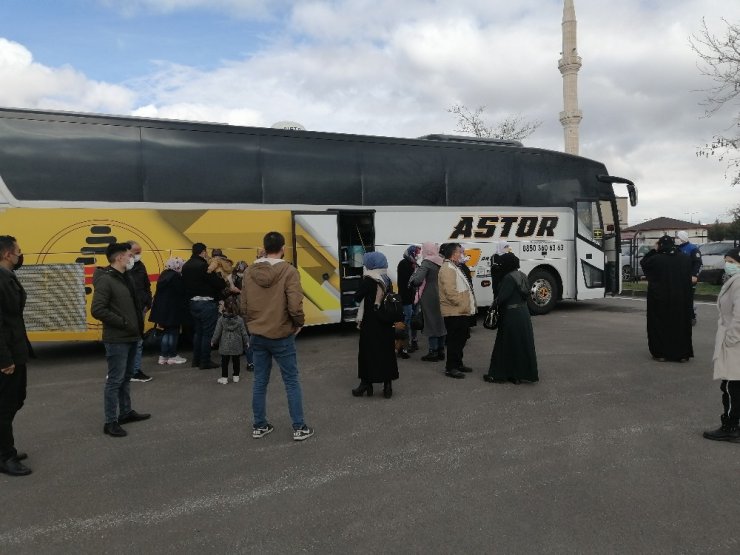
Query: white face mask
(130, 264)
(731, 268)
(137, 257)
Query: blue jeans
(116, 395)
(408, 312)
(137, 357)
(283, 350)
(168, 349)
(436, 343)
(205, 316)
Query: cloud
(248, 9)
(28, 84)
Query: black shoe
(20, 456)
(413, 347)
(250, 367)
(403, 354)
(133, 416)
(114, 430)
(724, 433)
(141, 377)
(14, 467)
(454, 373)
(195, 364)
(441, 354)
(362, 388)
(208, 365)
(466, 369)
(387, 390)
(431, 356)
(491, 379)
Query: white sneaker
(176, 360)
(236, 379)
(163, 360)
(223, 381)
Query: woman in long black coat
(514, 358)
(376, 359)
(169, 309)
(669, 302)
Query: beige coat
(727, 344)
(455, 295)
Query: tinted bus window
(193, 166)
(481, 178)
(54, 160)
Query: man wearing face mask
(14, 353)
(143, 289)
(116, 305)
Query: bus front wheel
(544, 292)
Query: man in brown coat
(272, 306)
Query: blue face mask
(731, 268)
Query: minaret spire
(569, 65)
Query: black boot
(403, 353)
(362, 388)
(726, 432)
(387, 390)
(431, 356)
(441, 354)
(413, 347)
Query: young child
(232, 339)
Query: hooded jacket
(13, 338)
(272, 299)
(115, 304)
(230, 335)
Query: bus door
(356, 237)
(590, 258)
(316, 248)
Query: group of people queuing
(436, 289)
(257, 311)
(672, 270)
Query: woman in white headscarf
(425, 279)
(169, 308)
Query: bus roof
(73, 157)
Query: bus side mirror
(632, 192)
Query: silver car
(713, 261)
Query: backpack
(388, 305)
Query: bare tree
(511, 128)
(720, 61)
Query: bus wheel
(544, 292)
(626, 273)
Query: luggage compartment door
(316, 248)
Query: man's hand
(9, 370)
(694, 280)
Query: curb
(636, 293)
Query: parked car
(631, 268)
(713, 261)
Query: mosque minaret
(569, 65)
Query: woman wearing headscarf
(376, 359)
(727, 352)
(425, 279)
(668, 273)
(406, 268)
(169, 309)
(457, 303)
(514, 358)
(502, 247)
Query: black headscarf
(666, 245)
(508, 262)
(734, 254)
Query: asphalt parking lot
(604, 455)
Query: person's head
(682, 237)
(135, 250)
(199, 249)
(451, 251)
(174, 263)
(217, 252)
(502, 247)
(508, 262)
(11, 256)
(666, 244)
(732, 262)
(119, 256)
(274, 244)
(240, 267)
(412, 252)
(231, 306)
(375, 261)
(429, 249)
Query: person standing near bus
(406, 268)
(14, 353)
(668, 272)
(116, 305)
(169, 309)
(204, 290)
(144, 295)
(693, 252)
(457, 303)
(272, 303)
(425, 279)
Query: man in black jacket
(143, 289)
(13, 354)
(114, 303)
(204, 290)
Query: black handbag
(417, 318)
(490, 322)
(153, 339)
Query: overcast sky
(391, 67)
